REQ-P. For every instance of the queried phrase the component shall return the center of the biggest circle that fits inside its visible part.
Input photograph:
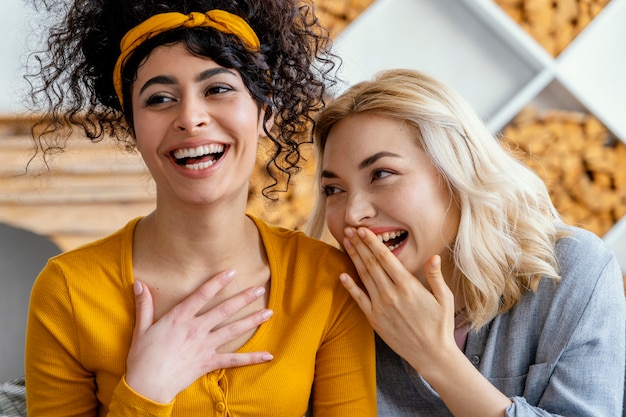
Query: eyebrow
(370, 160)
(167, 80)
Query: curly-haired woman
(171, 314)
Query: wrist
(157, 394)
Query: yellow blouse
(82, 316)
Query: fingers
(358, 254)
(438, 286)
(184, 343)
(205, 293)
(233, 330)
(361, 298)
(233, 360)
(215, 320)
(233, 305)
(144, 311)
(372, 258)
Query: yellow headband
(221, 20)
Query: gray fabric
(22, 255)
(560, 351)
(13, 398)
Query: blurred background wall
(545, 74)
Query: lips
(199, 157)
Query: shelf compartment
(577, 157)
(446, 39)
(593, 67)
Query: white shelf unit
(474, 46)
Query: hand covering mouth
(200, 157)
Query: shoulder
(295, 241)
(300, 248)
(588, 269)
(582, 253)
(79, 266)
(108, 245)
(565, 311)
(580, 240)
(94, 277)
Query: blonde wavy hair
(508, 225)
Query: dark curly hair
(72, 80)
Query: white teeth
(386, 236)
(200, 165)
(198, 151)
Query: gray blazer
(560, 351)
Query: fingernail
(347, 244)
(349, 232)
(259, 291)
(267, 357)
(361, 232)
(229, 274)
(137, 288)
(267, 313)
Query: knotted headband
(220, 20)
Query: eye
(218, 89)
(157, 99)
(329, 190)
(380, 174)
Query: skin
(385, 164)
(193, 311)
(378, 180)
(185, 106)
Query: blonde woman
(484, 302)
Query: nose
(193, 114)
(359, 209)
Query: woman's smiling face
(375, 175)
(196, 125)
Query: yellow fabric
(82, 316)
(221, 20)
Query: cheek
(451, 224)
(143, 143)
(144, 130)
(148, 148)
(335, 221)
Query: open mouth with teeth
(198, 158)
(393, 239)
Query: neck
(196, 239)
(175, 255)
